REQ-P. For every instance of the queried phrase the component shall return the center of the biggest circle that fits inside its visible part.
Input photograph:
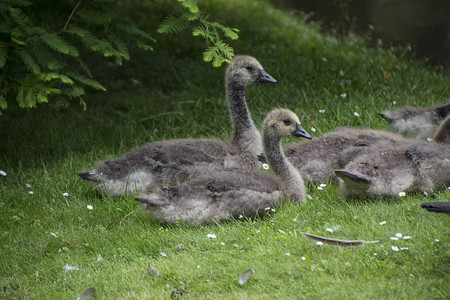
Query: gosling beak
(300, 132)
(385, 115)
(265, 77)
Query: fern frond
(144, 46)
(86, 81)
(3, 55)
(133, 31)
(74, 92)
(94, 16)
(173, 24)
(191, 5)
(19, 18)
(3, 104)
(229, 32)
(53, 76)
(83, 66)
(199, 31)
(29, 61)
(43, 56)
(58, 44)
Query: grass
(174, 94)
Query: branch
(71, 15)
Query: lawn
(59, 236)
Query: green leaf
(74, 92)
(3, 104)
(55, 42)
(52, 76)
(94, 16)
(191, 5)
(86, 81)
(173, 24)
(29, 61)
(3, 55)
(144, 46)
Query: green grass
(176, 95)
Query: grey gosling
(234, 192)
(417, 122)
(174, 161)
(317, 159)
(391, 170)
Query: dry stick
(337, 242)
(71, 15)
(128, 214)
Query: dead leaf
(89, 293)
(245, 275)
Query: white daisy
(319, 243)
(65, 194)
(344, 95)
(288, 254)
(329, 229)
(30, 192)
(394, 248)
(265, 166)
(406, 237)
(321, 111)
(320, 188)
(356, 114)
(163, 254)
(313, 129)
(399, 235)
(402, 194)
(53, 234)
(90, 207)
(382, 222)
(211, 235)
(303, 258)
(323, 185)
(3, 173)
(28, 186)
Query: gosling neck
(293, 184)
(245, 134)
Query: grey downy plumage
(417, 122)
(173, 161)
(234, 192)
(317, 159)
(399, 167)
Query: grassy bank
(172, 93)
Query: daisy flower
(402, 194)
(265, 166)
(394, 248)
(90, 207)
(3, 173)
(211, 235)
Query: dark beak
(385, 116)
(301, 132)
(265, 77)
(348, 175)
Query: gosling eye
(249, 68)
(287, 122)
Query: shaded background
(422, 24)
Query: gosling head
(246, 70)
(281, 123)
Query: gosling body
(234, 192)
